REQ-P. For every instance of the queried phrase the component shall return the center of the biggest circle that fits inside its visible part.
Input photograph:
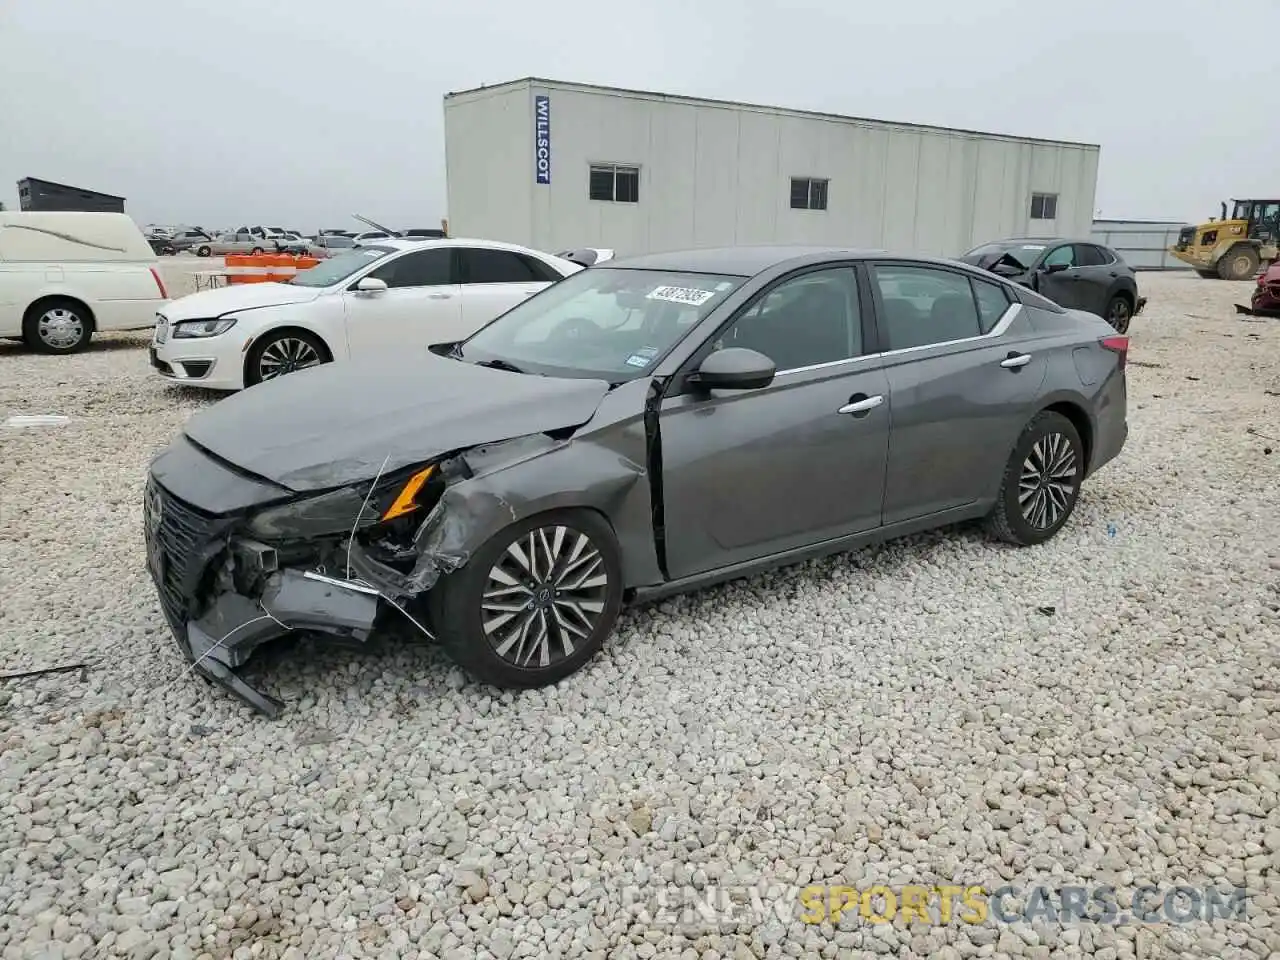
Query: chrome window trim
(1002, 325)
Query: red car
(1265, 301)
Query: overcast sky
(221, 112)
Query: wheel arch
(1079, 419)
(47, 298)
(512, 481)
(248, 349)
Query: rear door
(964, 375)
(420, 306)
(494, 281)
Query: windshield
(335, 269)
(1024, 254)
(607, 323)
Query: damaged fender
(509, 481)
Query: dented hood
(335, 425)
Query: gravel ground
(904, 714)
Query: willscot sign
(542, 138)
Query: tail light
(1118, 345)
(155, 274)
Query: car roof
(1041, 240)
(750, 261)
(426, 243)
(744, 261)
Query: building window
(1044, 206)
(614, 183)
(808, 194)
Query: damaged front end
(336, 564)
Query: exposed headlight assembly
(188, 329)
(339, 511)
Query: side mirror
(371, 285)
(734, 368)
(1055, 267)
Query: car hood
(248, 296)
(986, 261)
(344, 422)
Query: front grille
(181, 537)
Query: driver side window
(803, 321)
(1064, 255)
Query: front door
(1063, 284)
(748, 474)
(964, 374)
(493, 281)
(422, 305)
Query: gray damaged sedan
(644, 427)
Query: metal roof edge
(789, 111)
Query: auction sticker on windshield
(690, 295)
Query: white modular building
(557, 165)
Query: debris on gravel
(942, 710)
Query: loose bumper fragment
(235, 625)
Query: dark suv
(1072, 273)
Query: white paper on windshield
(642, 357)
(1033, 246)
(687, 295)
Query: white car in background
(390, 297)
(66, 275)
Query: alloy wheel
(1048, 481)
(285, 356)
(544, 596)
(1119, 317)
(60, 328)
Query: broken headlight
(340, 511)
(329, 513)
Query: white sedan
(388, 297)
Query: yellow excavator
(1232, 248)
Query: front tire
(283, 352)
(57, 326)
(534, 603)
(1240, 263)
(204, 252)
(1120, 312)
(1041, 482)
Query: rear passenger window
(922, 306)
(539, 269)
(482, 265)
(1087, 255)
(992, 300)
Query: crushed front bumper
(191, 555)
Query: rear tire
(1240, 263)
(1041, 484)
(57, 325)
(519, 624)
(1120, 312)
